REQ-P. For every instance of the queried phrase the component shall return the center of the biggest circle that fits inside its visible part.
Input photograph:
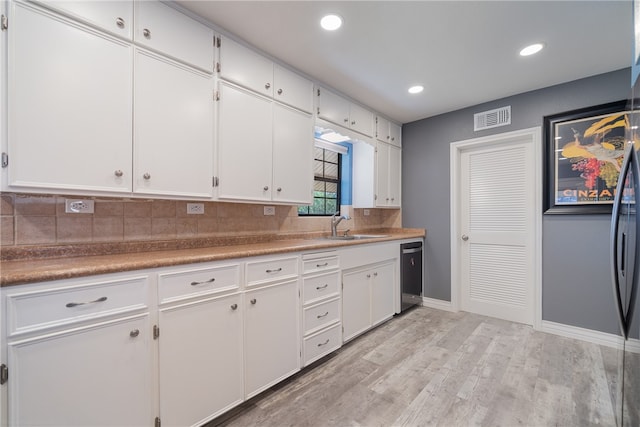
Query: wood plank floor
(434, 368)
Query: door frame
(534, 136)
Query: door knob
(465, 237)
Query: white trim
(438, 304)
(582, 334)
(455, 153)
(331, 146)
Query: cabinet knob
(387, 199)
(253, 301)
(266, 188)
(375, 274)
(267, 85)
(368, 276)
(279, 189)
(120, 22)
(134, 333)
(387, 136)
(346, 120)
(353, 122)
(393, 139)
(279, 91)
(146, 33)
(147, 176)
(234, 306)
(118, 173)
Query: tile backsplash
(28, 219)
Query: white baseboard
(595, 337)
(438, 304)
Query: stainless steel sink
(356, 237)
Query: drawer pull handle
(134, 333)
(319, 288)
(213, 279)
(322, 265)
(320, 316)
(253, 301)
(322, 344)
(234, 306)
(277, 270)
(75, 304)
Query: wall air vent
(492, 118)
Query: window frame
(325, 179)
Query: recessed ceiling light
(331, 22)
(416, 89)
(531, 49)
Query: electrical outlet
(269, 210)
(195, 208)
(366, 212)
(78, 206)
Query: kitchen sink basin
(356, 236)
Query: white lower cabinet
(271, 335)
(367, 297)
(200, 360)
(92, 367)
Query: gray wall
(576, 284)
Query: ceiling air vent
(492, 118)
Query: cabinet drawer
(321, 315)
(318, 287)
(195, 282)
(321, 344)
(40, 309)
(320, 264)
(269, 270)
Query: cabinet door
(382, 293)
(292, 156)
(333, 108)
(356, 303)
(382, 175)
(69, 105)
(244, 145)
(361, 119)
(200, 352)
(292, 89)
(272, 335)
(382, 129)
(395, 133)
(164, 29)
(96, 376)
(116, 17)
(364, 178)
(243, 66)
(173, 134)
(395, 176)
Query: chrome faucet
(335, 221)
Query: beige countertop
(40, 265)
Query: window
(326, 187)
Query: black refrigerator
(625, 262)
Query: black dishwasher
(411, 274)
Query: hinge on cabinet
(4, 374)
(156, 332)
(5, 160)
(217, 67)
(158, 422)
(215, 182)
(318, 92)
(318, 111)
(216, 95)
(4, 22)
(218, 42)
(375, 197)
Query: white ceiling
(463, 52)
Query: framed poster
(584, 151)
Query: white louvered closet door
(498, 231)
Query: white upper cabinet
(246, 68)
(164, 29)
(241, 65)
(377, 175)
(69, 118)
(115, 17)
(173, 134)
(387, 131)
(338, 110)
(292, 89)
